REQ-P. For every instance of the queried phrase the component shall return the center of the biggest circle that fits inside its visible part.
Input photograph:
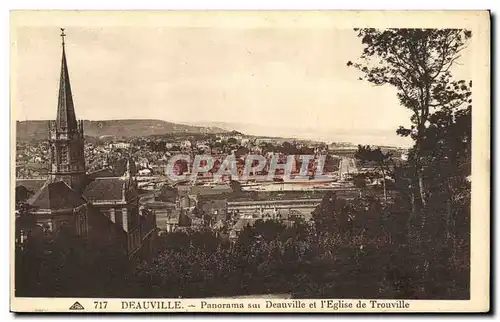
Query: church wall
(104, 232)
(114, 212)
(134, 240)
(119, 216)
(148, 249)
(124, 218)
(81, 222)
(133, 215)
(52, 222)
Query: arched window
(47, 228)
(64, 228)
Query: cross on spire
(62, 35)
(66, 119)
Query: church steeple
(66, 119)
(66, 135)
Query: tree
(232, 141)
(417, 62)
(168, 193)
(242, 151)
(288, 148)
(359, 181)
(447, 152)
(235, 187)
(367, 154)
(332, 215)
(22, 195)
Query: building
(99, 205)
(145, 172)
(186, 145)
(120, 145)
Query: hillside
(28, 130)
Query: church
(102, 206)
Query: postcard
(250, 161)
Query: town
(225, 204)
(147, 208)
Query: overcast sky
(272, 81)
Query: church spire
(66, 138)
(66, 119)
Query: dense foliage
(65, 265)
(353, 248)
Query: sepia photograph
(227, 156)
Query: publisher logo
(76, 306)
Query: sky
(266, 81)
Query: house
(240, 224)
(186, 145)
(219, 225)
(216, 209)
(188, 195)
(196, 223)
(120, 145)
(145, 172)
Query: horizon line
(198, 125)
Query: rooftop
(107, 188)
(56, 195)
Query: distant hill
(28, 130)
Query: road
(347, 165)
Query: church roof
(109, 189)
(101, 173)
(56, 195)
(33, 185)
(101, 189)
